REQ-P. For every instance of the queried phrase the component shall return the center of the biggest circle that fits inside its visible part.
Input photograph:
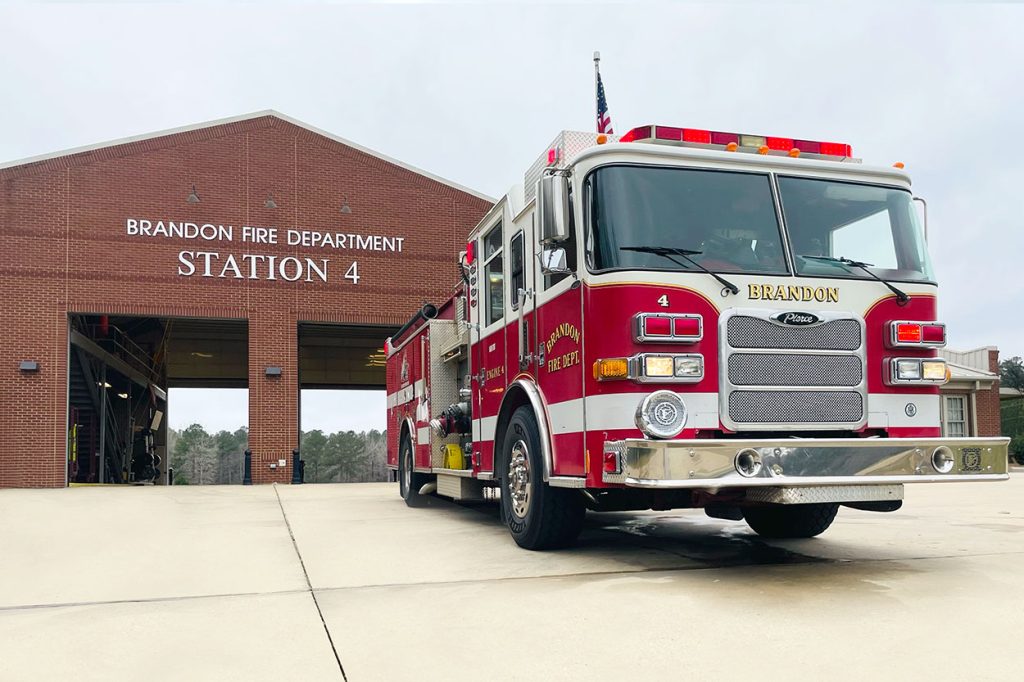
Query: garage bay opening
(156, 400)
(342, 406)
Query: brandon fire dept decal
(568, 359)
(770, 292)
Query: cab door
(559, 350)
(488, 315)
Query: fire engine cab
(683, 318)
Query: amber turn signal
(611, 368)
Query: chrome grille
(787, 407)
(775, 369)
(754, 332)
(776, 376)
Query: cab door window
(517, 268)
(494, 276)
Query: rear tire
(537, 515)
(409, 482)
(790, 521)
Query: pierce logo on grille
(796, 319)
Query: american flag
(604, 121)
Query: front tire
(537, 515)
(409, 482)
(791, 521)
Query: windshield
(725, 220)
(876, 226)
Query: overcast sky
(474, 93)
(220, 409)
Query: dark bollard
(296, 473)
(247, 469)
(302, 470)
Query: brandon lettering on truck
(770, 292)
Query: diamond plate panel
(570, 143)
(818, 494)
(444, 384)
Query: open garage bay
(313, 582)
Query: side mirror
(553, 208)
(553, 262)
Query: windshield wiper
(901, 297)
(668, 252)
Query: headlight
(907, 370)
(933, 370)
(673, 368)
(689, 366)
(920, 371)
(661, 414)
(655, 368)
(658, 365)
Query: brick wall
(988, 401)
(65, 250)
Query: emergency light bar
(762, 144)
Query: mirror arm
(924, 206)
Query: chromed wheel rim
(407, 471)
(519, 479)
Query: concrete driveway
(320, 582)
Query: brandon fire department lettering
(557, 362)
(770, 292)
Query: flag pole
(597, 71)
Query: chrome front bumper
(791, 462)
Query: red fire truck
(683, 318)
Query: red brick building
(241, 244)
(970, 401)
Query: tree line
(1011, 375)
(202, 458)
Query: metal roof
(964, 373)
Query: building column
(273, 395)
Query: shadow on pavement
(686, 533)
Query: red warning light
(694, 135)
(835, 149)
(781, 144)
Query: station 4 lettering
(289, 268)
